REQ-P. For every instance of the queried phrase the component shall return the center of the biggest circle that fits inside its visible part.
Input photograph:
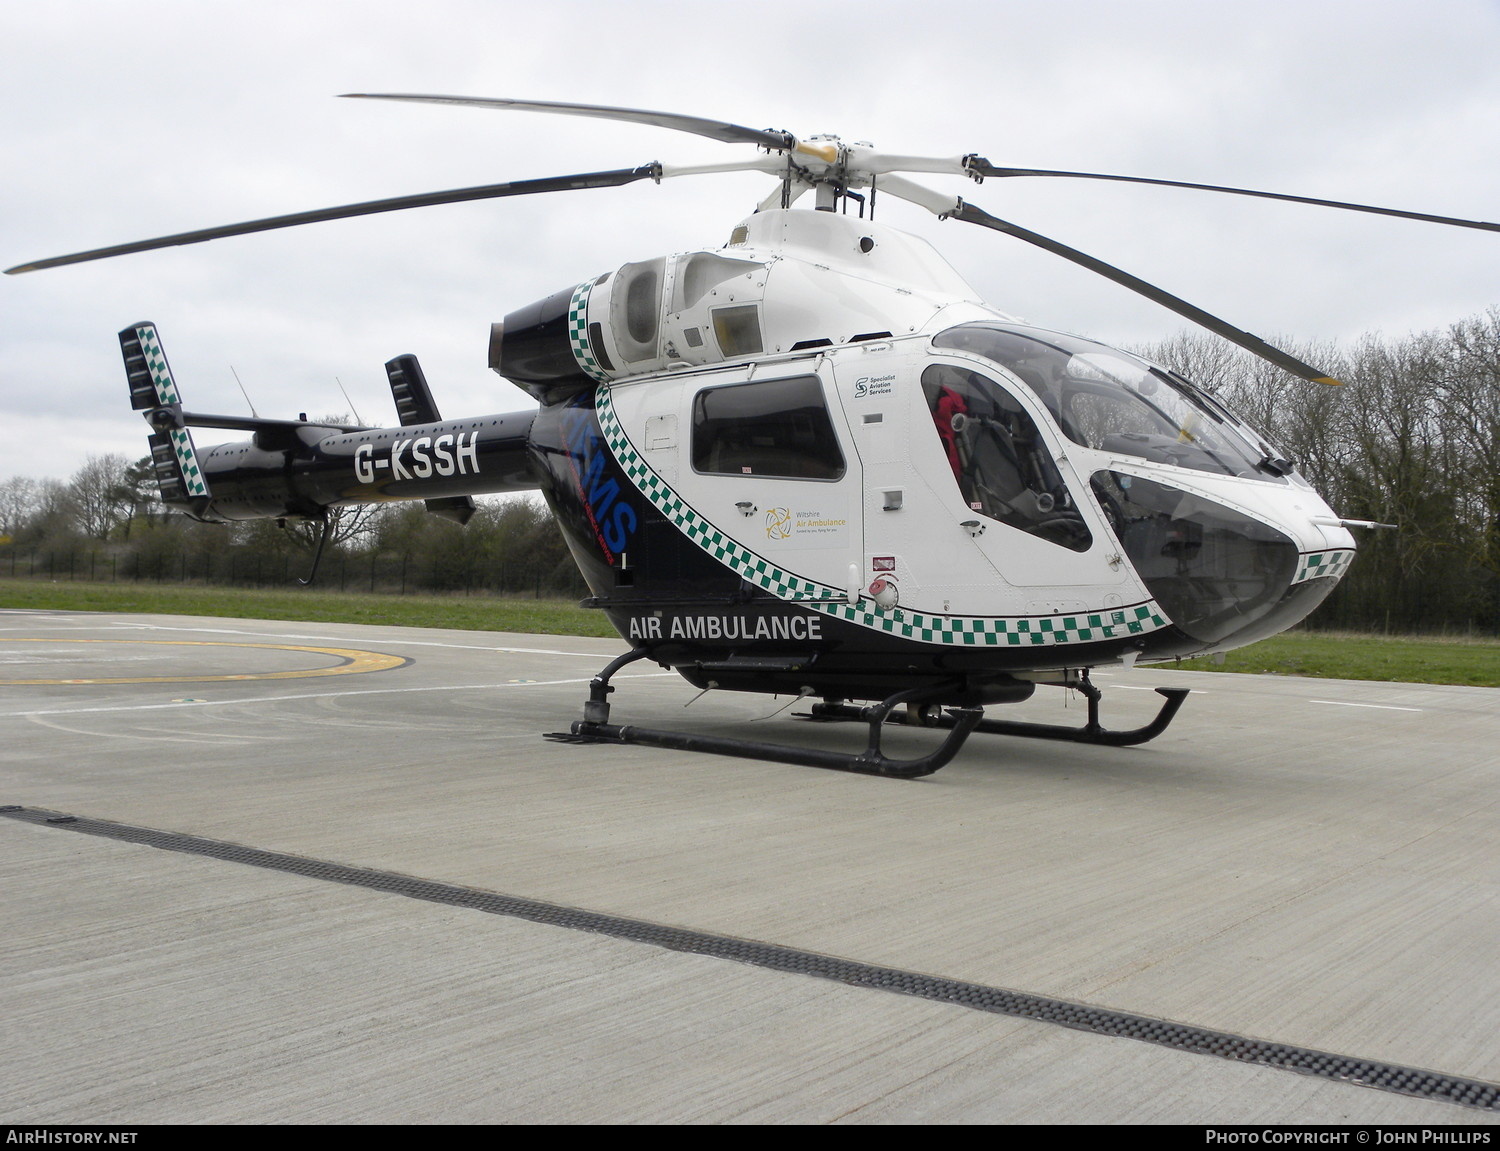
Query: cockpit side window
(1002, 465)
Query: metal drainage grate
(1098, 1020)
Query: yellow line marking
(351, 661)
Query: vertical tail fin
(415, 405)
(414, 402)
(153, 391)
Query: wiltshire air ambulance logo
(778, 523)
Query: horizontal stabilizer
(271, 435)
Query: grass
(466, 613)
(1340, 655)
(1407, 659)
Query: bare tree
(1467, 373)
(138, 493)
(19, 502)
(100, 491)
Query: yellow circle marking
(351, 662)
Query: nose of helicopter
(1251, 610)
(1224, 577)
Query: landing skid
(1091, 732)
(914, 705)
(593, 728)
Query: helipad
(1310, 864)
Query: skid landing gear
(915, 705)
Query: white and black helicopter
(813, 462)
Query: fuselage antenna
(244, 393)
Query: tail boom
(299, 469)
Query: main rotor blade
(713, 129)
(972, 215)
(612, 179)
(982, 167)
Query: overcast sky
(124, 121)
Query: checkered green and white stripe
(1006, 631)
(166, 393)
(187, 461)
(963, 631)
(1312, 565)
(578, 331)
(156, 360)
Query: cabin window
(1003, 467)
(777, 428)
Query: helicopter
(811, 461)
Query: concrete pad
(1309, 862)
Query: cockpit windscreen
(1113, 401)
